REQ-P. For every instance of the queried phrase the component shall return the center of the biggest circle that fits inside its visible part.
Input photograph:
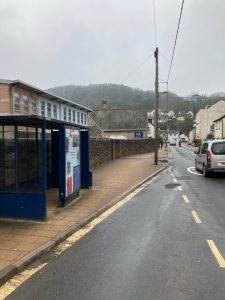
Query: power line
(155, 22)
(137, 68)
(171, 63)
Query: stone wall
(102, 151)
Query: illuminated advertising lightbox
(72, 160)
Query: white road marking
(193, 171)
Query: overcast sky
(49, 43)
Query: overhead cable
(137, 68)
(174, 47)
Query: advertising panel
(72, 160)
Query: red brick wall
(30, 95)
(6, 103)
(5, 100)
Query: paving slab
(23, 241)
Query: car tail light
(208, 157)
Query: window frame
(49, 110)
(14, 102)
(27, 106)
(43, 105)
(85, 119)
(34, 105)
(64, 113)
(69, 115)
(78, 117)
(74, 116)
(203, 150)
(55, 111)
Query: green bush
(210, 136)
(197, 142)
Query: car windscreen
(218, 148)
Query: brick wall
(5, 100)
(6, 103)
(102, 151)
(24, 92)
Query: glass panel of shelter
(20, 159)
(7, 158)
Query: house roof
(20, 84)
(95, 130)
(219, 118)
(120, 119)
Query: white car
(172, 143)
(210, 157)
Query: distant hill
(121, 96)
(117, 96)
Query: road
(167, 242)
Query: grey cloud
(55, 42)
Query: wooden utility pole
(156, 54)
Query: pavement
(21, 242)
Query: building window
(78, 117)
(43, 108)
(49, 110)
(55, 111)
(74, 116)
(34, 105)
(16, 101)
(25, 103)
(69, 115)
(82, 118)
(85, 119)
(64, 114)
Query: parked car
(210, 157)
(172, 143)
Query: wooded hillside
(121, 96)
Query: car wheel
(205, 172)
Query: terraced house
(205, 119)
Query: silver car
(210, 157)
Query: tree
(210, 136)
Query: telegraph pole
(156, 54)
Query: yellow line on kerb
(216, 253)
(186, 200)
(196, 217)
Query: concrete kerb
(21, 264)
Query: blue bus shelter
(37, 154)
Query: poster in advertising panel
(72, 160)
